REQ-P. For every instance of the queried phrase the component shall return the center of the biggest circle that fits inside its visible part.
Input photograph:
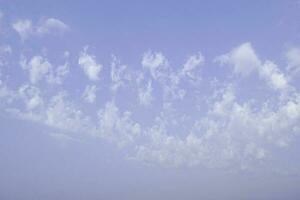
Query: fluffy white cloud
(273, 76)
(156, 63)
(171, 89)
(116, 126)
(55, 112)
(89, 94)
(88, 63)
(243, 58)
(191, 64)
(24, 28)
(119, 74)
(169, 78)
(65, 116)
(58, 74)
(31, 96)
(38, 68)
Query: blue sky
(149, 99)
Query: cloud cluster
(117, 126)
(159, 118)
(40, 68)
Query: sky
(149, 100)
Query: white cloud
(38, 68)
(156, 63)
(57, 75)
(243, 58)
(51, 25)
(169, 80)
(191, 64)
(273, 76)
(63, 115)
(88, 63)
(24, 28)
(231, 131)
(119, 74)
(145, 94)
(232, 134)
(89, 94)
(116, 126)
(31, 96)
(171, 89)
(56, 113)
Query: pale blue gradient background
(33, 165)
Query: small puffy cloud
(89, 94)
(273, 76)
(145, 94)
(51, 25)
(24, 28)
(38, 68)
(89, 65)
(119, 74)
(191, 64)
(243, 59)
(156, 63)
